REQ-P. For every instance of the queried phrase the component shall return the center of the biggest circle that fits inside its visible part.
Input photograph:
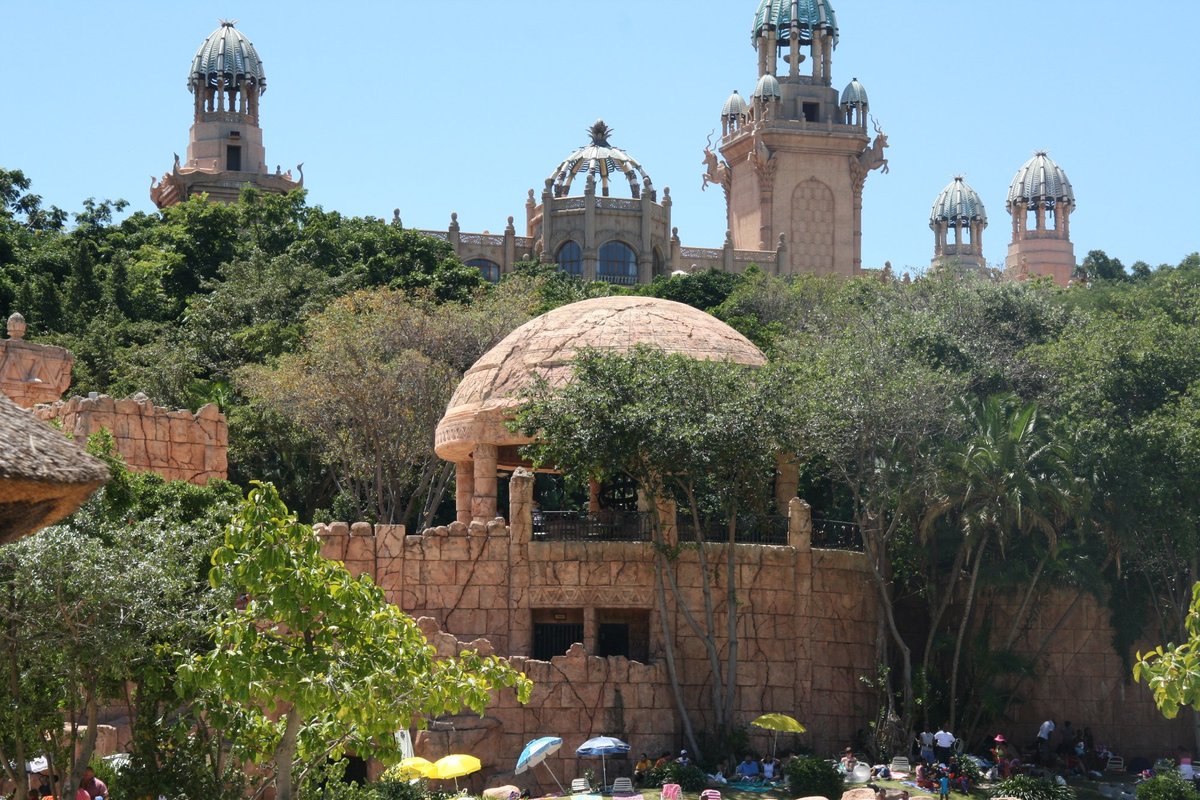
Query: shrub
(690, 778)
(1024, 787)
(1168, 785)
(808, 776)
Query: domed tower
(796, 173)
(1040, 201)
(225, 149)
(959, 209)
(588, 232)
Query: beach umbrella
(777, 723)
(416, 767)
(455, 766)
(602, 746)
(536, 753)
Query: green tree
(321, 652)
(705, 433)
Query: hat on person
(999, 738)
(683, 752)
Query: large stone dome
(547, 344)
(227, 53)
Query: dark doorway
(612, 639)
(812, 112)
(233, 158)
(623, 632)
(356, 771)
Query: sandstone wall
(33, 373)
(1081, 678)
(806, 630)
(178, 445)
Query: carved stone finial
(396, 218)
(510, 220)
(16, 326)
(675, 231)
(531, 190)
(666, 192)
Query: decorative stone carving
(593, 596)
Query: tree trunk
(82, 753)
(876, 557)
(669, 657)
(962, 630)
(935, 621)
(708, 634)
(285, 755)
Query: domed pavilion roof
(1040, 179)
(767, 88)
(227, 52)
(600, 159)
(547, 345)
(735, 106)
(958, 202)
(855, 94)
(813, 15)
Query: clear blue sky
(463, 106)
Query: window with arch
(570, 258)
(657, 263)
(488, 268)
(618, 264)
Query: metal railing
(619, 280)
(576, 526)
(751, 529)
(832, 534)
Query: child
(944, 787)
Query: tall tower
(1041, 200)
(225, 149)
(957, 221)
(797, 167)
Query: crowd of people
(41, 787)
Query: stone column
(591, 630)
(645, 259)
(782, 267)
(794, 61)
(520, 506)
(483, 502)
(727, 252)
(787, 482)
(799, 524)
(593, 496)
(452, 231)
(547, 209)
(464, 490)
(510, 247)
(668, 518)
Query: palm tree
(1009, 476)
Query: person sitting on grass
(772, 769)
(749, 771)
(848, 761)
(642, 768)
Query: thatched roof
(44, 476)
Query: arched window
(618, 264)
(659, 268)
(570, 259)
(489, 268)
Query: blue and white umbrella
(602, 746)
(536, 752)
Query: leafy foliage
(1027, 787)
(1167, 785)
(689, 777)
(808, 776)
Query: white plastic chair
(580, 786)
(622, 786)
(671, 791)
(900, 764)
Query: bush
(1168, 785)
(690, 778)
(810, 776)
(1024, 787)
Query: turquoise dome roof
(735, 106)
(227, 52)
(1040, 180)
(958, 202)
(855, 94)
(767, 88)
(813, 15)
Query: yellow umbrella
(416, 766)
(777, 723)
(454, 766)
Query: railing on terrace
(832, 534)
(712, 253)
(620, 280)
(751, 529)
(575, 526)
(445, 237)
(490, 239)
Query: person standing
(944, 787)
(93, 785)
(925, 740)
(943, 744)
(1043, 741)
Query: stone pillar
(645, 262)
(589, 229)
(727, 252)
(593, 496)
(452, 232)
(483, 501)
(547, 208)
(787, 482)
(782, 267)
(591, 630)
(510, 246)
(520, 506)
(799, 524)
(668, 519)
(676, 260)
(794, 61)
(464, 490)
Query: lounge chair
(622, 786)
(671, 791)
(580, 786)
(900, 764)
(1115, 764)
(710, 794)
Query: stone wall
(32, 373)
(178, 445)
(806, 628)
(1082, 678)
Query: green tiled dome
(735, 106)
(1041, 180)
(813, 15)
(767, 88)
(958, 202)
(855, 94)
(227, 52)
